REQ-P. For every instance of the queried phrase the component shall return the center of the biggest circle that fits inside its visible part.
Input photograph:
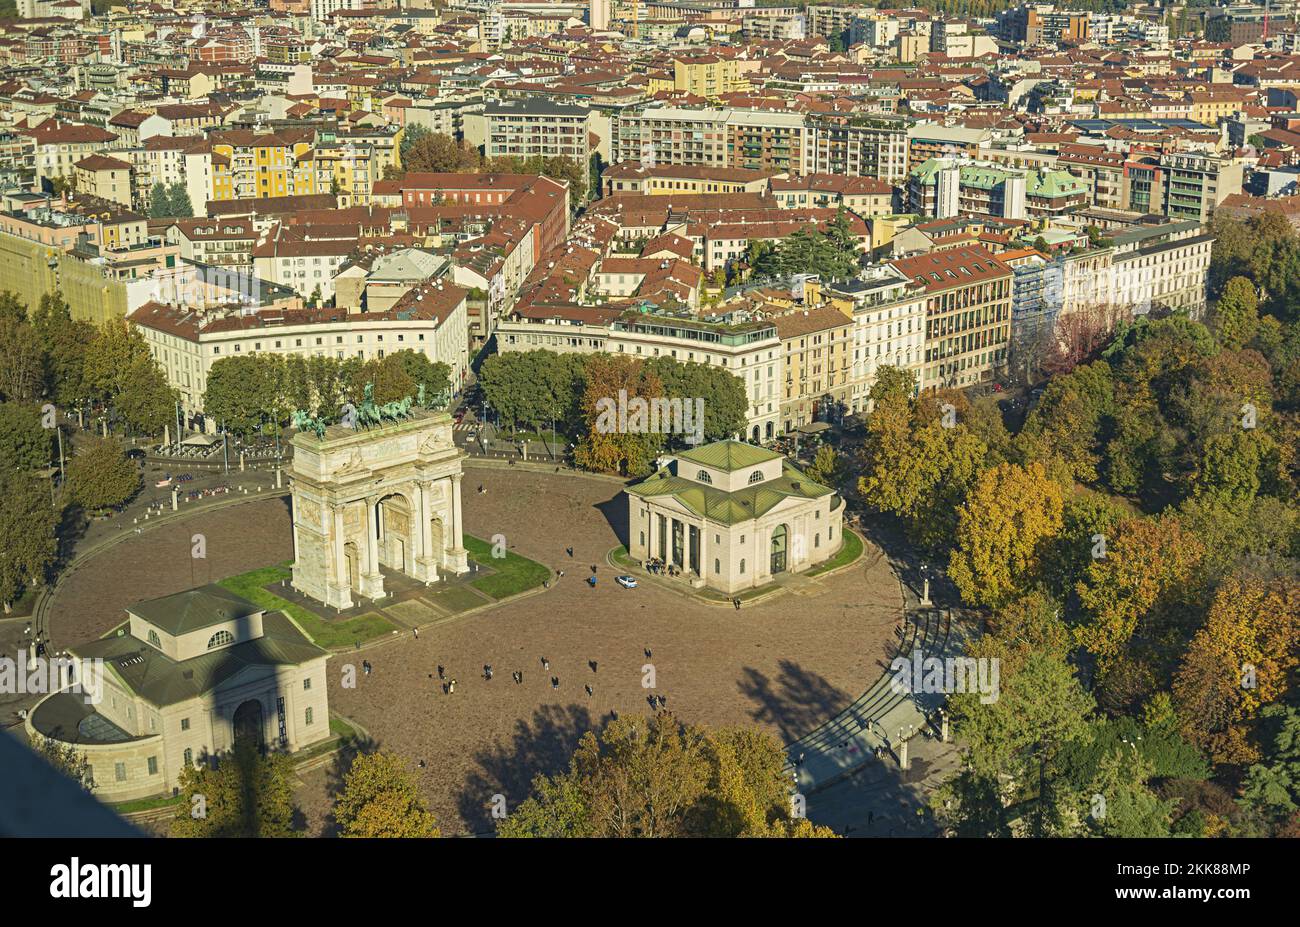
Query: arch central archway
(247, 722)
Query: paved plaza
(785, 664)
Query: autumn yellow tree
(617, 438)
(1144, 577)
(1239, 662)
(379, 799)
(1009, 515)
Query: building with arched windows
(181, 681)
(733, 516)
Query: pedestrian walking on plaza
(592, 664)
(546, 664)
(365, 665)
(588, 688)
(441, 673)
(555, 682)
(417, 633)
(569, 551)
(593, 568)
(647, 653)
(451, 687)
(519, 677)
(487, 670)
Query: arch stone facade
(388, 496)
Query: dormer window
(220, 639)
(703, 477)
(756, 477)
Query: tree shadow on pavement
(508, 767)
(797, 701)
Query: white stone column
(426, 565)
(704, 552)
(338, 589)
(457, 556)
(372, 581)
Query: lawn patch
(512, 574)
(326, 633)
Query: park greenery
(240, 793)
(1135, 546)
(256, 393)
(380, 799)
(170, 202)
(51, 363)
(532, 389)
(832, 254)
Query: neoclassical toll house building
(181, 681)
(366, 499)
(733, 516)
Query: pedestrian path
(883, 717)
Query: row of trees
(638, 777)
(251, 393)
(1136, 546)
(532, 389)
(49, 363)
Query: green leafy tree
(100, 476)
(1236, 314)
(160, 204)
(248, 794)
(439, 153)
(178, 198)
(24, 443)
(67, 759)
(64, 343)
(22, 361)
(28, 544)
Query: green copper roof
(731, 508)
(1053, 183)
(194, 609)
(160, 680)
(728, 455)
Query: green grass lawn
(147, 804)
(512, 574)
(327, 634)
(849, 551)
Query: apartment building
(968, 296)
(816, 362)
(710, 76)
(672, 135)
(537, 128)
(748, 349)
(758, 140)
(888, 310)
(859, 146)
(60, 145)
(104, 177)
(430, 320)
(926, 140)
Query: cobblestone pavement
(786, 664)
(92, 600)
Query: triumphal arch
(381, 496)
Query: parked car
(627, 582)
